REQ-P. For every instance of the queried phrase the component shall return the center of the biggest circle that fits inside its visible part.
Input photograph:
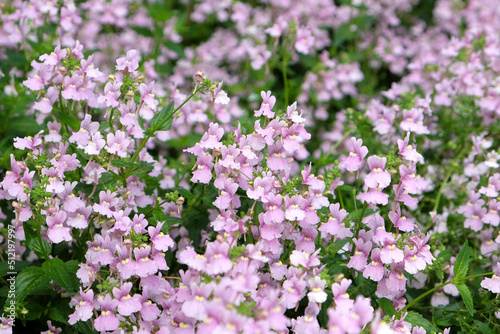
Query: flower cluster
(139, 196)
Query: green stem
(446, 178)
(453, 281)
(285, 78)
(340, 198)
(146, 138)
(441, 189)
(358, 226)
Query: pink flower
(118, 144)
(144, 266)
(374, 196)
(107, 321)
(358, 260)
(294, 208)
(84, 306)
(377, 177)
(161, 241)
(375, 269)
(357, 153)
(391, 253)
(267, 105)
(127, 304)
(305, 40)
(58, 231)
(129, 63)
(111, 94)
(493, 283)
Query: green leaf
(163, 120)
(19, 265)
(57, 271)
(466, 296)
(334, 248)
(85, 327)
(30, 280)
(355, 215)
(183, 192)
(386, 306)
(142, 31)
(60, 311)
(461, 266)
(139, 169)
(417, 319)
(35, 242)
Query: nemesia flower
(84, 306)
(493, 284)
(58, 231)
(266, 105)
(357, 153)
(129, 63)
(118, 144)
(107, 320)
(127, 304)
(377, 177)
(317, 293)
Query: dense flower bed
(250, 166)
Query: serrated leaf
(461, 266)
(85, 327)
(30, 280)
(386, 306)
(183, 192)
(417, 319)
(466, 296)
(60, 311)
(35, 242)
(163, 120)
(139, 169)
(57, 271)
(19, 265)
(334, 248)
(109, 178)
(355, 215)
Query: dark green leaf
(461, 266)
(67, 118)
(30, 280)
(466, 296)
(183, 192)
(85, 327)
(355, 215)
(35, 242)
(19, 265)
(57, 271)
(60, 311)
(142, 31)
(163, 120)
(417, 319)
(109, 178)
(334, 248)
(387, 306)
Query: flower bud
(180, 201)
(111, 78)
(16, 206)
(199, 76)
(62, 70)
(21, 165)
(216, 152)
(51, 210)
(129, 95)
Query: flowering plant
(215, 166)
